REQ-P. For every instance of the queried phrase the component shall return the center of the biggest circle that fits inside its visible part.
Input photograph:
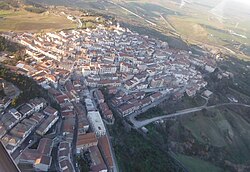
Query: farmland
(21, 20)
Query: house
(64, 150)
(68, 127)
(62, 99)
(156, 96)
(83, 123)
(12, 144)
(50, 111)
(66, 166)
(38, 104)
(126, 109)
(46, 125)
(106, 113)
(207, 93)
(105, 149)
(22, 130)
(191, 91)
(97, 163)
(145, 101)
(9, 120)
(37, 117)
(39, 158)
(99, 96)
(84, 141)
(26, 110)
(15, 113)
(209, 68)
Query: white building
(96, 123)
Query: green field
(21, 20)
(196, 165)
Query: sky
(247, 2)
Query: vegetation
(171, 106)
(82, 164)
(4, 6)
(196, 165)
(22, 20)
(173, 42)
(35, 9)
(2, 94)
(11, 3)
(134, 153)
(9, 46)
(29, 88)
(152, 112)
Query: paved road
(166, 96)
(139, 124)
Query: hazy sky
(247, 2)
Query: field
(21, 20)
(196, 165)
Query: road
(139, 124)
(166, 96)
(131, 12)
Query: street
(139, 124)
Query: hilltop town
(76, 67)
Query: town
(74, 66)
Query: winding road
(138, 124)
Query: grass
(22, 20)
(196, 165)
(225, 128)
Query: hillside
(19, 17)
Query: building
(26, 110)
(84, 141)
(46, 125)
(207, 93)
(9, 120)
(96, 123)
(104, 146)
(50, 111)
(38, 104)
(99, 96)
(83, 123)
(64, 158)
(97, 163)
(39, 158)
(66, 166)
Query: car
(30, 141)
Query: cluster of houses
(137, 69)
(18, 124)
(40, 158)
(111, 57)
(107, 114)
(125, 104)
